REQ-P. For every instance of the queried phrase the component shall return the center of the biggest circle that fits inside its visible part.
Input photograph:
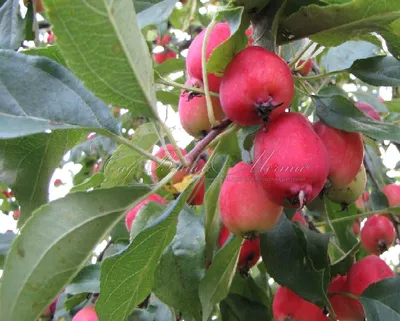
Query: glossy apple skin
(243, 204)
(306, 68)
(130, 216)
(368, 110)
(249, 252)
(377, 234)
(345, 308)
(193, 110)
(345, 150)
(287, 305)
(365, 272)
(255, 76)
(86, 314)
(392, 192)
(289, 157)
(219, 34)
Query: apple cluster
(294, 162)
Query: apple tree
(236, 161)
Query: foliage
(95, 98)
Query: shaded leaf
(182, 266)
(336, 23)
(216, 283)
(87, 280)
(44, 262)
(12, 26)
(343, 56)
(237, 308)
(338, 112)
(155, 14)
(48, 97)
(381, 300)
(377, 71)
(306, 268)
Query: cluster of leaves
(52, 97)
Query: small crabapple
(193, 110)
(219, 33)
(251, 91)
(290, 160)
(256, 214)
(377, 234)
(345, 150)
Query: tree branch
(202, 144)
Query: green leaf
(51, 52)
(381, 300)
(248, 288)
(27, 164)
(212, 216)
(340, 113)
(12, 26)
(343, 265)
(87, 280)
(48, 97)
(182, 266)
(75, 300)
(343, 233)
(343, 56)
(93, 181)
(246, 137)
(169, 66)
(126, 165)
(306, 268)
(39, 265)
(119, 69)
(29, 32)
(169, 98)
(393, 105)
(334, 24)
(391, 34)
(216, 283)
(155, 14)
(237, 308)
(223, 54)
(147, 214)
(377, 71)
(131, 273)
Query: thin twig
(201, 145)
